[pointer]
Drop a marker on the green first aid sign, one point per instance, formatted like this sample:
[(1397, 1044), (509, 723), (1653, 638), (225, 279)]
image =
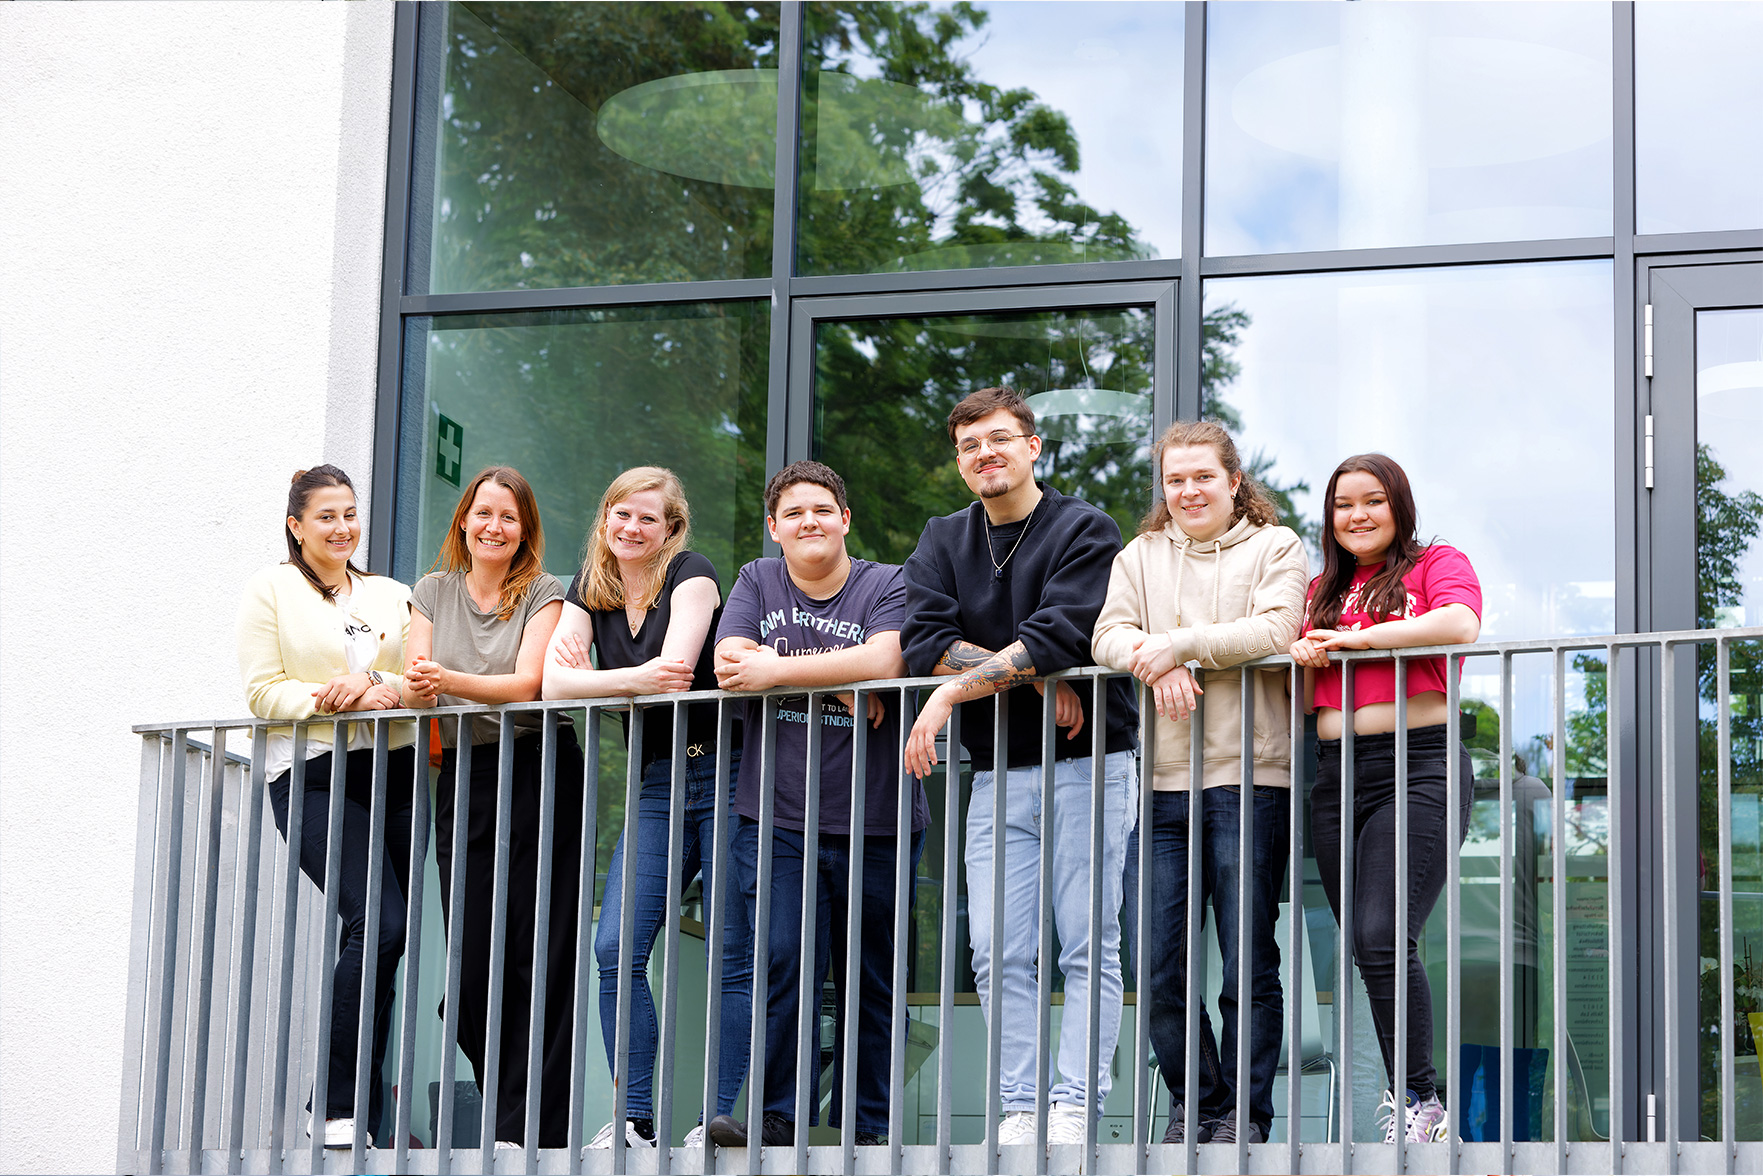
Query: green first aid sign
[(449, 449)]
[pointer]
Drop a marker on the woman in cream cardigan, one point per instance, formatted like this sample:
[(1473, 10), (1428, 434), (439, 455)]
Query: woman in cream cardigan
[(317, 636), (1211, 581)]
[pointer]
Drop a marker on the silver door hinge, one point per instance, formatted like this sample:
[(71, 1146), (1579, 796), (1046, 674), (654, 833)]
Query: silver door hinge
[(1647, 355), (1649, 468)]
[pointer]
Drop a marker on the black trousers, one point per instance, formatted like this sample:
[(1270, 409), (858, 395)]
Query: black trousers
[(394, 866), (517, 957), (1374, 872)]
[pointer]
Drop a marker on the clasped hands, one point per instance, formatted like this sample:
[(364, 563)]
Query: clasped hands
[(1313, 647), (354, 692)]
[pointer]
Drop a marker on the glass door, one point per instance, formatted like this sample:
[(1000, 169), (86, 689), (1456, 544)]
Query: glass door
[(1707, 573)]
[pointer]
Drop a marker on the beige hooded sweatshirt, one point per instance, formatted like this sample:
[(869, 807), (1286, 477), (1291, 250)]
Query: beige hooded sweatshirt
[(1223, 602)]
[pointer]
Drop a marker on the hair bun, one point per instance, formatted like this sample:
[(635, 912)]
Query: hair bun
[(295, 480)]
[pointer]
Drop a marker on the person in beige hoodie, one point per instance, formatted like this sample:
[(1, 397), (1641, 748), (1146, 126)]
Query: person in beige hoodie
[(1210, 582)]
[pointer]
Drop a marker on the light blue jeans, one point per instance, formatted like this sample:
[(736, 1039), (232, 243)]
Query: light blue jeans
[(1069, 828)]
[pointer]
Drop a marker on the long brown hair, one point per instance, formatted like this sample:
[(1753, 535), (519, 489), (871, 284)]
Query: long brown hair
[(1385, 595), (1250, 500), (300, 491), (602, 587), (529, 560)]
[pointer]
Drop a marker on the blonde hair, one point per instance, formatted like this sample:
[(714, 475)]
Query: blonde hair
[(529, 562), (1250, 500), (602, 586)]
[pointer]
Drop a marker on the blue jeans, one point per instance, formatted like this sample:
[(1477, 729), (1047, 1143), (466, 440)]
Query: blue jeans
[(737, 934), (1069, 828), (1166, 918), (875, 1005)]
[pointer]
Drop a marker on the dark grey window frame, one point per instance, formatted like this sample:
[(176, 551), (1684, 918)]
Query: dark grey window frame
[(798, 302)]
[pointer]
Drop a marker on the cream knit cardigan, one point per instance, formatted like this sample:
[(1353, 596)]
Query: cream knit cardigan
[(290, 644)]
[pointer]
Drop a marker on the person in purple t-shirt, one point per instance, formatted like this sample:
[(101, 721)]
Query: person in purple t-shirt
[(817, 618)]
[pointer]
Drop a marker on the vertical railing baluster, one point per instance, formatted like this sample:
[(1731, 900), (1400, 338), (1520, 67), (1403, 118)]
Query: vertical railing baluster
[(761, 934), (413, 896), (1098, 723), (1195, 978), (995, 982), (1245, 899), (1144, 1078), (716, 910), (1044, 938), (898, 1020), (952, 868), (661, 1085), (1558, 866), (1399, 1084), (250, 857), (1668, 1101), (1723, 804), (1508, 830), (535, 1023), (1343, 985), (587, 870), (854, 936), (1295, 926), (201, 1000), (807, 991), (1454, 785), (283, 1011), (364, 1026), (627, 936), (1615, 860), (171, 855), (455, 883), (135, 1019), (327, 933), (492, 1075)]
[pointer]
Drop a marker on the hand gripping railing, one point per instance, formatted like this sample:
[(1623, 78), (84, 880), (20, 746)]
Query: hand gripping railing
[(223, 1084)]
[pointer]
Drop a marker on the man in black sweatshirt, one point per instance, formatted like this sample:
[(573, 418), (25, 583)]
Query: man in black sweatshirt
[(998, 595)]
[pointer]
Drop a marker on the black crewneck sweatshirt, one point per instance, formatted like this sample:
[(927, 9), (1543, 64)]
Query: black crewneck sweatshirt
[(1048, 598)]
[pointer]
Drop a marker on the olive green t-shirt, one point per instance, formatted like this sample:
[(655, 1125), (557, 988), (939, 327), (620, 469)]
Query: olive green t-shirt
[(472, 641)]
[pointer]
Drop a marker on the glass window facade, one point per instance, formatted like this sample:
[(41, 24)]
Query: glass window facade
[(1354, 126), (989, 135), (959, 169), (1698, 116)]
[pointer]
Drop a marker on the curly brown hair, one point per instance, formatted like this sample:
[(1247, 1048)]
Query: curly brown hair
[(1251, 501)]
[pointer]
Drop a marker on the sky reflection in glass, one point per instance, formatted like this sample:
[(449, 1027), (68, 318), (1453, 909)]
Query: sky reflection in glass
[(1345, 126)]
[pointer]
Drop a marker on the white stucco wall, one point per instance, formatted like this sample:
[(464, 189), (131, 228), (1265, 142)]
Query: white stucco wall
[(191, 201)]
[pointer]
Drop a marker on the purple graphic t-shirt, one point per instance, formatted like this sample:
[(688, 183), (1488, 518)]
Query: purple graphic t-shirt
[(766, 607)]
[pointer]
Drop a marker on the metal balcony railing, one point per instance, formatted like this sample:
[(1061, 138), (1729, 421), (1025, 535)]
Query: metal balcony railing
[(229, 1004)]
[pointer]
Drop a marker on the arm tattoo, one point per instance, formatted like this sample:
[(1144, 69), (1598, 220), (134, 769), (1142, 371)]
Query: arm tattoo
[(963, 655), (1008, 667)]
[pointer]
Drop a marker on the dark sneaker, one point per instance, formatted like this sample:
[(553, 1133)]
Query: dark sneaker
[(1225, 1130), (1177, 1131), (871, 1139), (777, 1131), (727, 1131)]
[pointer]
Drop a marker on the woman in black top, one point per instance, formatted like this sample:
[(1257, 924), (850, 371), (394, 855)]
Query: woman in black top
[(648, 606)]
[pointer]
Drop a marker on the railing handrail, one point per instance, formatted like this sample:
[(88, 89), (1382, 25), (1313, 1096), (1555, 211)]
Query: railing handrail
[(1665, 639)]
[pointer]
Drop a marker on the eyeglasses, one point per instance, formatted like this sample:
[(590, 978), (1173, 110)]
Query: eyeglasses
[(996, 441)]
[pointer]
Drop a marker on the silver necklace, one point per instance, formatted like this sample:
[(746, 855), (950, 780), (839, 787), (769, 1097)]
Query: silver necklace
[(997, 567)]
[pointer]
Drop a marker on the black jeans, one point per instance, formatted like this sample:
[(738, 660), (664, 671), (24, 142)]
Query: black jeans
[(352, 878), (1166, 950), (517, 956), (1374, 872)]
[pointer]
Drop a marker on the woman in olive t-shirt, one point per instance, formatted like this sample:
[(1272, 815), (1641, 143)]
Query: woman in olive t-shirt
[(647, 607), (478, 631)]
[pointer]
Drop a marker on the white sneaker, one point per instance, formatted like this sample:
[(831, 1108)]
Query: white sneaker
[(603, 1137), (340, 1133), (1066, 1123), (1017, 1127), (695, 1137), (1428, 1122)]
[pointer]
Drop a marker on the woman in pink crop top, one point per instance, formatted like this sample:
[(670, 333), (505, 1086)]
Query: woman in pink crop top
[(1380, 589)]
